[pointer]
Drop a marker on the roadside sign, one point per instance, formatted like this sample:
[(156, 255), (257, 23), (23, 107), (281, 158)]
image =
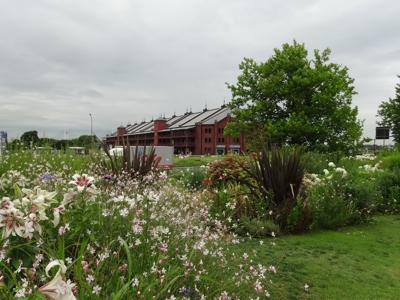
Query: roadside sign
[(382, 133)]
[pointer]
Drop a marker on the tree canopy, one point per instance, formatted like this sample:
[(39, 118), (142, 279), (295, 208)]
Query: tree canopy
[(389, 112), (30, 138), (291, 99)]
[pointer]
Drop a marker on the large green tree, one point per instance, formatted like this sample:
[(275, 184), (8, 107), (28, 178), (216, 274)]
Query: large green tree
[(294, 99), (389, 112)]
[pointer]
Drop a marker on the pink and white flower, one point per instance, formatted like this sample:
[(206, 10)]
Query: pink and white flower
[(82, 182), (57, 288)]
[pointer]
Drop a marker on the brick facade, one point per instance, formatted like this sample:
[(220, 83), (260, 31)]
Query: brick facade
[(197, 133)]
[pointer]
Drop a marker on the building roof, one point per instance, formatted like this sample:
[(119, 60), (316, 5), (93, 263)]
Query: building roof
[(186, 121)]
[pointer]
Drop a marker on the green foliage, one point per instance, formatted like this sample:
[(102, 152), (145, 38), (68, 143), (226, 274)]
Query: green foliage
[(389, 111), (391, 161), (228, 170), (30, 138), (388, 183), (315, 162), (258, 228), (191, 178), (28, 162), (293, 99), (343, 199), (234, 201)]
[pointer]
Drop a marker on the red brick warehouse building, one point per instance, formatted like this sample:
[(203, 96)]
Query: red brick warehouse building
[(193, 132)]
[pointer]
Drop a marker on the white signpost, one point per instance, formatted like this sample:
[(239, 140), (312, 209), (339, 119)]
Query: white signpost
[(3, 141)]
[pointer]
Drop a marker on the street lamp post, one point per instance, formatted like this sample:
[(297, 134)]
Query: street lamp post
[(91, 128), (91, 124)]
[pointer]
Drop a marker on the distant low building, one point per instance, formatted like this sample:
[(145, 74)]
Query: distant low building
[(3, 141), (193, 132)]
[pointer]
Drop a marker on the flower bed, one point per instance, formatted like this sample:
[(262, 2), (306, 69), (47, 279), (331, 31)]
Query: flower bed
[(75, 236)]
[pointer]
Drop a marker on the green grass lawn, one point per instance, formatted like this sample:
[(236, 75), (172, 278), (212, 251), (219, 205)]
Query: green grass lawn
[(195, 160), (360, 262)]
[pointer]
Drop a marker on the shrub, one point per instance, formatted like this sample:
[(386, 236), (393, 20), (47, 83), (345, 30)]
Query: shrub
[(391, 161), (300, 218), (191, 178), (259, 228), (228, 170), (388, 183), (235, 202), (342, 198), (315, 162)]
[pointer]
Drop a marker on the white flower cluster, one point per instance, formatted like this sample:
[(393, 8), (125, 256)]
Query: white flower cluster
[(313, 179), (370, 168), (12, 177), (334, 169), (365, 156)]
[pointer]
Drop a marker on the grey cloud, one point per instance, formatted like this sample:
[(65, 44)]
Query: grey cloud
[(126, 60)]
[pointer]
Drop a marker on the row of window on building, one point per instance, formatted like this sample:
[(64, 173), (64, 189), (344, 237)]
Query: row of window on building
[(235, 140), (209, 130)]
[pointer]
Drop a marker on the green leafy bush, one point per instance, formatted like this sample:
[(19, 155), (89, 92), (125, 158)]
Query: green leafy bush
[(228, 170), (315, 162), (191, 178), (259, 228), (388, 183), (342, 198), (235, 202)]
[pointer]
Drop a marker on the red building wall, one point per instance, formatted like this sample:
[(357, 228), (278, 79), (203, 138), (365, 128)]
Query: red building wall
[(203, 139)]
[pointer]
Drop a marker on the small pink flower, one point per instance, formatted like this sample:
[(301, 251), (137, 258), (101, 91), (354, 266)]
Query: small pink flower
[(85, 266), (63, 229), (258, 287), (122, 268), (163, 247)]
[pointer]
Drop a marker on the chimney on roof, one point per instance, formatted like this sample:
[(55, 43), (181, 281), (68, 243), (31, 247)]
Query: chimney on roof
[(121, 131), (205, 107), (159, 124)]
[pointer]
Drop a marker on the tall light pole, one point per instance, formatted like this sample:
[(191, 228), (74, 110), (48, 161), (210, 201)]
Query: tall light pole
[(91, 127), (91, 124)]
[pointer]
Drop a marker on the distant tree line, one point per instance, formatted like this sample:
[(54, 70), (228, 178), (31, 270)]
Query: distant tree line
[(31, 139)]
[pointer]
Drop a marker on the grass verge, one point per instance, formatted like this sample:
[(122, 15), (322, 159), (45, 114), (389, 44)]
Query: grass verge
[(359, 262)]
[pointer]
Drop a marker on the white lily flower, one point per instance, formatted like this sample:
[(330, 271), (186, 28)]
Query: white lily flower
[(56, 213), (57, 288), (12, 221)]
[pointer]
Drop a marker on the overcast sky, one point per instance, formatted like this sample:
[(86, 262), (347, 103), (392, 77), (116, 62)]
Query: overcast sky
[(125, 60)]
